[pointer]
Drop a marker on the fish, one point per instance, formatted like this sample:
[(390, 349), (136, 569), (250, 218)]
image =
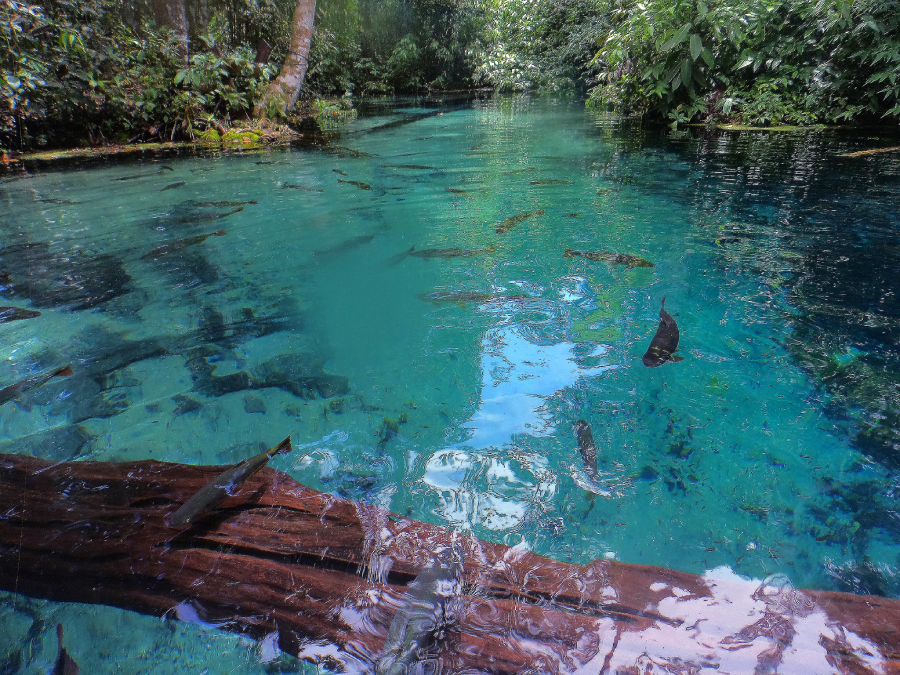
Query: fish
[(165, 249), (346, 245), (512, 221), (610, 257), (664, 344), (144, 175), (462, 297), (301, 187), (221, 205), (263, 163), (407, 166), (451, 252), (586, 447), (57, 201), (863, 153), (208, 217), (608, 190), (424, 613), (552, 181), (457, 191), (225, 485), (13, 391), (8, 314), (339, 172), (173, 186), (65, 664), (359, 184)]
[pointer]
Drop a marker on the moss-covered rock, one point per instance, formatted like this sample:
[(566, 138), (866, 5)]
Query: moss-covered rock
[(209, 136)]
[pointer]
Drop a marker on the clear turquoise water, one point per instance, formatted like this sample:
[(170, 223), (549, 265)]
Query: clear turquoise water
[(746, 454)]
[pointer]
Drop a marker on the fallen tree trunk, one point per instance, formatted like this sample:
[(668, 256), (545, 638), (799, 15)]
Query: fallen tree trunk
[(329, 575)]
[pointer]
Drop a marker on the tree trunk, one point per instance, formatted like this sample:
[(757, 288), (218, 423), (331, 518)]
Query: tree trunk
[(172, 15), (281, 95), (329, 576)]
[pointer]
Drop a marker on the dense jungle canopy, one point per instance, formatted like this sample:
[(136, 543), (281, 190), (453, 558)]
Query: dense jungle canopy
[(79, 72)]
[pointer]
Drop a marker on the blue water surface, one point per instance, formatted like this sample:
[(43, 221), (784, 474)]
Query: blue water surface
[(447, 388)]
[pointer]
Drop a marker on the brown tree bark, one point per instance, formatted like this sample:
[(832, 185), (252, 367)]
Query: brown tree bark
[(172, 15), (328, 575), (281, 95)]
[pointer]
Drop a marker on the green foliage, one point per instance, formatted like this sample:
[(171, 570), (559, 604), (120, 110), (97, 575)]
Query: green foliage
[(74, 73), (539, 44), (752, 61)]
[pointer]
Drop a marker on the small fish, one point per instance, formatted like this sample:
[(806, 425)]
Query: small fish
[(462, 297), (301, 187), (144, 175), (552, 181), (225, 485), (8, 314), (572, 215), (451, 252), (221, 205), (173, 186), (346, 245), (425, 612), (664, 344), (359, 184), (512, 221), (629, 261), (208, 217), (57, 201), (341, 150), (13, 391), (608, 190), (340, 173), (586, 447), (165, 249), (263, 163), (862, 153), (65, 664), (457, 191), (407, 166)]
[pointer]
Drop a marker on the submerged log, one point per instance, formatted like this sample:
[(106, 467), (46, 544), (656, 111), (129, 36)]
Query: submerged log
[(328, 575)]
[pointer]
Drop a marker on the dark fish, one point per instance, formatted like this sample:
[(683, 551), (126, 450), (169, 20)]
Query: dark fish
[(57, 201), (462, 297), (301, 187), (512, 221), (457, 191), (339, 172), (8, 314), (13, 391), (410, 154), (552, 181), (346, 245), (342, 150), (425, 612), (261, 163), (208, 217), (572, 215), (665, 342), (165, 249), (65, 664), (173, 186), (451, 252), (221, 205), (144, 175), (407, 166), (359, 184), (400, 257), (608, 190), (609, 257), (586, 447), (225, 485)]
